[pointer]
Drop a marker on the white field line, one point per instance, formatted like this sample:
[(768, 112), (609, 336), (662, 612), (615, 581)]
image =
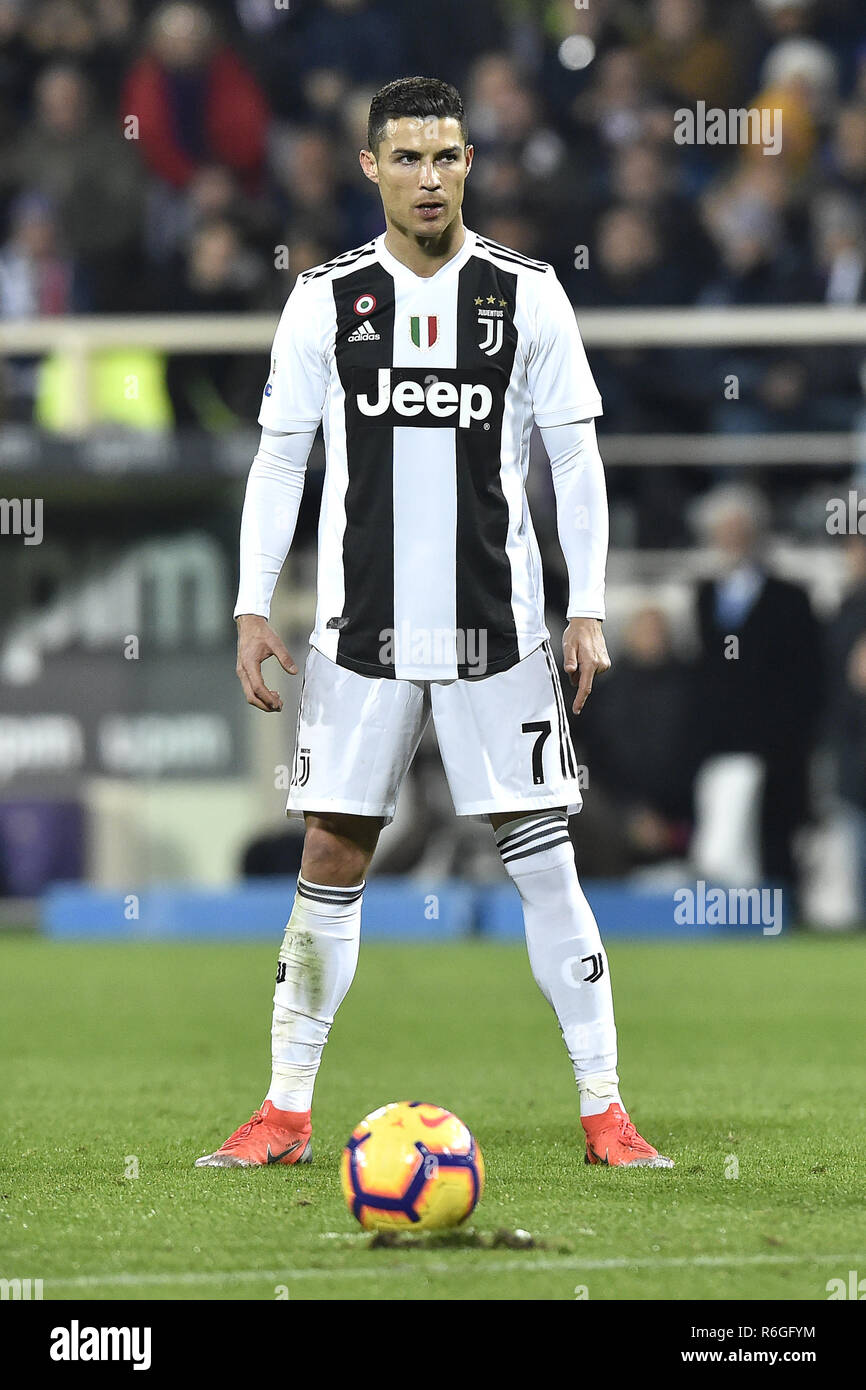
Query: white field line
[(519, 1259)]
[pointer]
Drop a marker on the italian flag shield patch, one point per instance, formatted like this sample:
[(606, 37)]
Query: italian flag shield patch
[(424, 329)]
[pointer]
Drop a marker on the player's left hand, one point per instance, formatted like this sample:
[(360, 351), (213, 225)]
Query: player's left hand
[(586, 656)]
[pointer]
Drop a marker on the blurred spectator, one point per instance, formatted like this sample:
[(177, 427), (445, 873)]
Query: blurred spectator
[(639, 732), (746, 218), (68, 154), (36, 278), (847, 151), (311, 66), (859, 87), (629, 266), (761, 668), (197, 103), (215, 390), (799, 79), (640, 388), (505, 116), (849, 623), (644, 175), (319, 202), (574, 40), (213, 192), (849, 728), (360, 40), (17, 68), (834, 370), (840, 253), (785, 18), (493, 84), (621, 105), (846, 715), (684, 58), (527, 169), (758, 389), (482, 26), (92, 34)]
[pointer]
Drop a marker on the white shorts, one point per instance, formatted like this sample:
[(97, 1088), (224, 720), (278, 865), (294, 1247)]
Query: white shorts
[(504, 739)]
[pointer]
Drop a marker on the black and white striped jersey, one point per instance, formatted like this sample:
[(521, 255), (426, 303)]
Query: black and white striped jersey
[(427, 390)]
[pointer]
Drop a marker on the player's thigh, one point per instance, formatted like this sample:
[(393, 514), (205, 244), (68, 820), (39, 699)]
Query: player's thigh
[(356, 736), (505, 741)]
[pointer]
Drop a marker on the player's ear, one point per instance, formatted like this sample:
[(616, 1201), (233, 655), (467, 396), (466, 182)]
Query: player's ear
[(369, 165), (470, 155)]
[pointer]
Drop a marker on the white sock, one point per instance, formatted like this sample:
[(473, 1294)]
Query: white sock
[(315, 968), (565, 950)]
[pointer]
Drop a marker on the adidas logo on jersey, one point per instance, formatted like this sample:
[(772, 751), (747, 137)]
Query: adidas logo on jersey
[(447, 398), (364, 333)]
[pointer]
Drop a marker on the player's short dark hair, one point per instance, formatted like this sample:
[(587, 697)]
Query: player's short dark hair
[(414, 96)]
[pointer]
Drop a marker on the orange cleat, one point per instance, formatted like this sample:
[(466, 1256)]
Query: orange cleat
[(269, 1136), (611, 1139)]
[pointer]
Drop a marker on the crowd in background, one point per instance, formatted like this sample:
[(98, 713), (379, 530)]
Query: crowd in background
[(248, 116), (197, 157), (676, 743)]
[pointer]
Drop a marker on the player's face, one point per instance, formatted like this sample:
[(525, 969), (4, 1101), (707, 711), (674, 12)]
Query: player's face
[(420, 166)]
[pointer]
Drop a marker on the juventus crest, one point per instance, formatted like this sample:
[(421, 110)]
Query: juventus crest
[(491, 321), (302, 768), (491, 343)]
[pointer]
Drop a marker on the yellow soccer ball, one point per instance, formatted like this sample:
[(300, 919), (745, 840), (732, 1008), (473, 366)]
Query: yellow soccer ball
[(411, 1166)]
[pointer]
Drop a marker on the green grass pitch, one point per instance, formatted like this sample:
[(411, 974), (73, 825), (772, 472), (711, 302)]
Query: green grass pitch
[(735, 1058)]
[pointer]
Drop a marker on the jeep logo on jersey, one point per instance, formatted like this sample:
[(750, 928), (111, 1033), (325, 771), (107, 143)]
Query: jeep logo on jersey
[(447, 398)]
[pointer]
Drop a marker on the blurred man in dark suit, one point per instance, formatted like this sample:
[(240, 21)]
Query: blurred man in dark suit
[(846, 714), (760, 687), (639, 745)]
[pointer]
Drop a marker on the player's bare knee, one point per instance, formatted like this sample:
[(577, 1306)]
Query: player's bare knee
[(338, 848)]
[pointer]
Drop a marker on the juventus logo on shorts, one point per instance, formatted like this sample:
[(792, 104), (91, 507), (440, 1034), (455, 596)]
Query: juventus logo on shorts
[(596, 968), (281, 972), (302, 768)]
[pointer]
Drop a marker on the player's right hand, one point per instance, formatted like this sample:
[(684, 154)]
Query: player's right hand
[(256, 642)]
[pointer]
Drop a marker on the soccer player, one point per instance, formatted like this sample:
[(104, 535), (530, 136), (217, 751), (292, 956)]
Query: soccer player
[(427, 354)]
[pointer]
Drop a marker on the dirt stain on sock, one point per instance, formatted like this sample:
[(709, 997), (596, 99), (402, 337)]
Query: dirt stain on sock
[(304, 966)]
